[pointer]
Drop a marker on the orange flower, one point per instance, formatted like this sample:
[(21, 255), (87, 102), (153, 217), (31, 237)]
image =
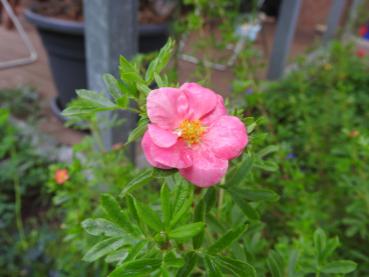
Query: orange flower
[(354, 134), (61, 176)]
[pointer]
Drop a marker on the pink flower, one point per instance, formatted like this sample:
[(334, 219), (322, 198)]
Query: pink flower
[(191, 131)]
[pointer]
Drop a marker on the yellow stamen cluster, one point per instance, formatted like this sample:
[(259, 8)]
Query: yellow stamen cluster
[(191, 131)]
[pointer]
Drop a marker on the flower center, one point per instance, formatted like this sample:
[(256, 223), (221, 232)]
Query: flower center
[(191, 131)]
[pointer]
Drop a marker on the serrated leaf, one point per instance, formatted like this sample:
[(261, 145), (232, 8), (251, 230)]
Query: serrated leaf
[(186, 231), (339, 267), (143, 178), (103, 248), (101, 226), (227, 239), (137, 268)]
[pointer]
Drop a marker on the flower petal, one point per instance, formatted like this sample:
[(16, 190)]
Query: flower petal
[(201, 100), (176, 156), (162, 137), (146, 145), (166, 107), (227, 137), (215, 114), (206, 169)]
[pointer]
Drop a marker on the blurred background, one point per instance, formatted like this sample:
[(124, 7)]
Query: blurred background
[(297, 69)]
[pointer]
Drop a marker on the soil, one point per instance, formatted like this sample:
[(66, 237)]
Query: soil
[(150, 12)]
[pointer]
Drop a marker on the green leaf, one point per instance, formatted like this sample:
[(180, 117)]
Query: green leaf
[(159, 81), (97, 98), (186, 231), (137, 268), (210, 198), (320, 242), (143, 88), (199, 216), (160, 62), (339, 267), (103, 248), (256, 194), (275, 264), (143, 178), (128, 72), (227, 239), (81, 107), (171, 260), (246, 208), (267, 150), (115, 213), (135, 250), (137, 132), (269, 166), (182, 202), (148, 216), (117, 256), (112, 85), (212, 267), (191, 261), (237, 267), (292, 263), (165, 204), (242, 171), (101, 226)]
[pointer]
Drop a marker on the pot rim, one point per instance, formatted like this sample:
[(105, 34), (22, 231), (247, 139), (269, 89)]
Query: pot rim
[(75, 27)]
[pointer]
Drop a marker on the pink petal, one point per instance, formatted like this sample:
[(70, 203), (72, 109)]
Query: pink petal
[(214, 115), (161, 137), (201, 100), (176, 156), (206, 170), (227, 137), (146, 144), (166, 107)]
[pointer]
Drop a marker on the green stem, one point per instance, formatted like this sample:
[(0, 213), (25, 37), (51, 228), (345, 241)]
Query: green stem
[(18, 206)]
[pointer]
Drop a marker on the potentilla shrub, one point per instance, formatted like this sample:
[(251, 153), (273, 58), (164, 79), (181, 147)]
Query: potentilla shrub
[(318, 114), (204, 217)]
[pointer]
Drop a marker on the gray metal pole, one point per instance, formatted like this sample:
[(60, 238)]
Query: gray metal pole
[(334, 17), (111, 30), (352, 16), (286, 27)]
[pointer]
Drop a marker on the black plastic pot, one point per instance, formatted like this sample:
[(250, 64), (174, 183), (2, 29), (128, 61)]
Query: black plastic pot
[(65, 46)]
